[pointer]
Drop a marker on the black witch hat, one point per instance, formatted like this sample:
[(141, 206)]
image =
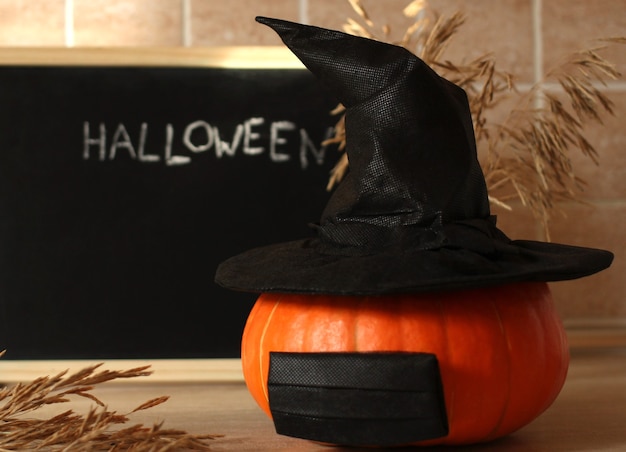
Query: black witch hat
[(412, 214)]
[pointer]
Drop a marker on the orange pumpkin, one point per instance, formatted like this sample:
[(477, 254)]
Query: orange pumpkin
[(502, 350)]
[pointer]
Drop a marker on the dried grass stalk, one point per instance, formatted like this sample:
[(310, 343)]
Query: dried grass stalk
[(526, 157), (97, 430)]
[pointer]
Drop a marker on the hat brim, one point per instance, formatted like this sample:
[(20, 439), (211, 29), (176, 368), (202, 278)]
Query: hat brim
[(299, 267)]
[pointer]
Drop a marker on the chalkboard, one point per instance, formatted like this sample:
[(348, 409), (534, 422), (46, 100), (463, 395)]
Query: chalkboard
[(122, 188)]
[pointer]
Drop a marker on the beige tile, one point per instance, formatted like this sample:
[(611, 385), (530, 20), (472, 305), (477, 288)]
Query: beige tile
[(218, 23), (32, 23), (496, 153), (501, 114), (572, 25), (499, 27), (333, 14), (127, 22), (607, 180), (518, 223), (602, 295), (499, 154), (503, 28)]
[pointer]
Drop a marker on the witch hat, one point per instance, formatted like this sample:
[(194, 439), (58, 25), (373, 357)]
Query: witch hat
[(412, 214)]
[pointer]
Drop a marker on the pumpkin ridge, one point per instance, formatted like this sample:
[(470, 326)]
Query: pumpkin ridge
[(493, 434), (558, 339), (448, 392), (268, 320), (355, 323), (309, 310)]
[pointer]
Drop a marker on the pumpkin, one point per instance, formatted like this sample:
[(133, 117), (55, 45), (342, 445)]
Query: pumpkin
[(502, 350)]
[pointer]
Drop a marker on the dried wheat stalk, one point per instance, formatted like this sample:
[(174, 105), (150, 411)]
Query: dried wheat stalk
[(97, 430), (540, 139), (527, 156)]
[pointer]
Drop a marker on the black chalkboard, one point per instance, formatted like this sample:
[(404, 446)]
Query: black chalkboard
[(122, 188)]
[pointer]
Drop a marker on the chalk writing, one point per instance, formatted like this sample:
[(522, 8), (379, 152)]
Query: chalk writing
[(253, 137)]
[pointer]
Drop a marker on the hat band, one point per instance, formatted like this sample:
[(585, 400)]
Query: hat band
[(350, 238)]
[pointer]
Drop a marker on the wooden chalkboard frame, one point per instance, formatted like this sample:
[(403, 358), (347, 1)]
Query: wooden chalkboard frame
[(240, 57), (236, 57)]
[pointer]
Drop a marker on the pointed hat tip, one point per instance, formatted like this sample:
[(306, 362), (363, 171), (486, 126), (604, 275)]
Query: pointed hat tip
[(275, 23), (285, 29)]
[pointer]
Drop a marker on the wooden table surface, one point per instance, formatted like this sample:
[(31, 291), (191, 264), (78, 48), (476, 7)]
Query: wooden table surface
[(589, 414)]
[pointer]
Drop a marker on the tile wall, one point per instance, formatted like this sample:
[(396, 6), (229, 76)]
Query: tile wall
[(527, 37)]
